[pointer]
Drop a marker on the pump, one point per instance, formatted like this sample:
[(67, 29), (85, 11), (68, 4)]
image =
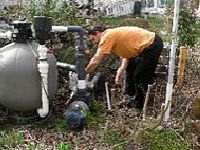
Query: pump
[(28, 74), (75, 117)]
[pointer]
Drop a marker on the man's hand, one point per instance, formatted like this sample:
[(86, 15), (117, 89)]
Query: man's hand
[(94, 62), (120, 76), (121, 71)]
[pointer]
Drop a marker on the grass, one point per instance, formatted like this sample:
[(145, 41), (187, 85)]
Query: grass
[(60, 125), (11, 138), (97, 116), (60, 146), (114, 137), (165, 139), (157, 24), (154, 22), (63, 146), (115, 21), (94, 118)]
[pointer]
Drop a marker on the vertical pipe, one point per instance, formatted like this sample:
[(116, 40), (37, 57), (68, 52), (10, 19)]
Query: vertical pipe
[(146, 9), (43, 67), (107, 96), (169, 89), (80, 46), (80, 62), (156, 4), (147, 6)]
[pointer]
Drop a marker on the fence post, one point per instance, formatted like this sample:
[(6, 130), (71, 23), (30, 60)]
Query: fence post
[(181, 66)]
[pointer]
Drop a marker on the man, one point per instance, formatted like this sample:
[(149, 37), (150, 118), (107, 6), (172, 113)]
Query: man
[(139, 49)]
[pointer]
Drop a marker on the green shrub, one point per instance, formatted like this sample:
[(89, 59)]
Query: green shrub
[(189, 28)]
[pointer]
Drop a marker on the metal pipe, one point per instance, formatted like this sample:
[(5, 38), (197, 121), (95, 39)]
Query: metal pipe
[(94, 82), (66, 66), (80, 61), (96, 78), (79, 45), (59, 28)]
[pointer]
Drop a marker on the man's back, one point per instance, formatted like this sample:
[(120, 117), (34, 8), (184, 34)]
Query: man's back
[(125, 41)]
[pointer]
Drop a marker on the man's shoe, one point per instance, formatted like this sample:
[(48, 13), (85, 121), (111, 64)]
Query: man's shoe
[(133, 103), (140, 105)]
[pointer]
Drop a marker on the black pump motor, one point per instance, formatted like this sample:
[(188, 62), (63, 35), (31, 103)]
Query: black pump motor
[(75, 116), (43, 27)]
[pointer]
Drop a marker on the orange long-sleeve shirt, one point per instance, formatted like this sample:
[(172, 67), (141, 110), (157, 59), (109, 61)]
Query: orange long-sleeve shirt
[(125, 42)]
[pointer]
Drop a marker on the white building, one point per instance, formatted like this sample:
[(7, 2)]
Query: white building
[(6, 3), (125, 7), (120, 7)]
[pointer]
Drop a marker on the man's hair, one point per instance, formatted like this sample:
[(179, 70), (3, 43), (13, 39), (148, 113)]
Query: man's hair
[(94, 29)]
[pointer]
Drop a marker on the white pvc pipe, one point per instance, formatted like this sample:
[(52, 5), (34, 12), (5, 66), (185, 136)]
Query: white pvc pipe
[(6, 35), (67, 66), (81, 84), (43, 68), (147, 6), (169, 89), (107, 96), (59, 28)]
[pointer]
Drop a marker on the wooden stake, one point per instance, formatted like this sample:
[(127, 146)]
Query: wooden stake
[(146, 102), (113, 92), (181, 66), (113, 98)]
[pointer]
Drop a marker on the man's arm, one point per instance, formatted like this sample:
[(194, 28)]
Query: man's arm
[(94, 62), (121, 71), (124, 64)]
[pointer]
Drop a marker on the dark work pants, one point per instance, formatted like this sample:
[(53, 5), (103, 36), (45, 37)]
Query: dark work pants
[(141, 69)]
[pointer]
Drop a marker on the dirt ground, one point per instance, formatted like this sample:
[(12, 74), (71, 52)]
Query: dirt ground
[(47, 134), (128, 118)]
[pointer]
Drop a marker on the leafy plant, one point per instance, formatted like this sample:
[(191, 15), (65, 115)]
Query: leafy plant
[(30, 147), (61, 11), (188, 28), (170, 3), (64, 146), (67, 55)]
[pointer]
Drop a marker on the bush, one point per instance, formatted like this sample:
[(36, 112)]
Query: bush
[(189, 28)]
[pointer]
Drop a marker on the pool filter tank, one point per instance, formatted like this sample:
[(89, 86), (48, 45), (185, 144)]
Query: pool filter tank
[(21, 81)]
